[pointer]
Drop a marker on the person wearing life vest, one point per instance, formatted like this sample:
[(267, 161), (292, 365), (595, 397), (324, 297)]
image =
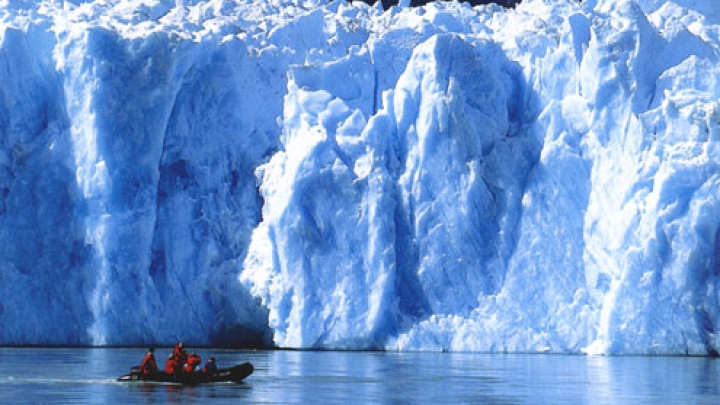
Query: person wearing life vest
[(210, 368), (193, 363), (174, 363), (179, 353), (149, 365)]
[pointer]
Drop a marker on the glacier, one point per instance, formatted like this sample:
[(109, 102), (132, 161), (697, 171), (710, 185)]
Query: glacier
[(325, 174)]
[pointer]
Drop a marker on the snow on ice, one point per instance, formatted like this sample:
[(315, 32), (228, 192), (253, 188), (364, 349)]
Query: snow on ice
[(328, 174)]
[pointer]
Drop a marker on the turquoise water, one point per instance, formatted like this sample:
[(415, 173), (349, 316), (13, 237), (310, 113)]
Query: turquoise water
[(87, 376)]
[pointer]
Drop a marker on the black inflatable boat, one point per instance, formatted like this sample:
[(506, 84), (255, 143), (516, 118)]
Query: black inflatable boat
[(234, 374)]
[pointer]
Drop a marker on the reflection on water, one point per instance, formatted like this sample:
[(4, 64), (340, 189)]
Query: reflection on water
[(653, 380), (382, 378), (283, 377)]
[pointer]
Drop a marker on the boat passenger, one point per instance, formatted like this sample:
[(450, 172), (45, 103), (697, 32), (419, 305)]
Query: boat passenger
[(149, 365), (210, 367), (172, 365), (177, 359), (180, 353), (193, 363)]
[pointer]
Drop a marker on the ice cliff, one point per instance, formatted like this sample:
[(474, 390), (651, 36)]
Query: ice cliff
[(326, 174)]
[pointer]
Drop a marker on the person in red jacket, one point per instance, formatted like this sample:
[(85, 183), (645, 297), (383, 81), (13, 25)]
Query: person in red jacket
[(180, 353), (149, 365), (193, 363), (174, 363)]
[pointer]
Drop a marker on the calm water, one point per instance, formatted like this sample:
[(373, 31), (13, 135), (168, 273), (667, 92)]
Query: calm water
[(87, 376)]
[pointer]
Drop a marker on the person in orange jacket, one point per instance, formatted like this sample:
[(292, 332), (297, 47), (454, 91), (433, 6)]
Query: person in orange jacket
[(193, 363), (149, 365)]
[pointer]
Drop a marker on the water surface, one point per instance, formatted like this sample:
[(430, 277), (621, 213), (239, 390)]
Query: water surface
[(87, 376)]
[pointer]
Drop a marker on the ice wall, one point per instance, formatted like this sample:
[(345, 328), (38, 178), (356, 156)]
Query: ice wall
[(333, 175), (129, 186), (552, 178)]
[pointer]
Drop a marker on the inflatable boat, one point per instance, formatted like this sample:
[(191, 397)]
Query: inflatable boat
[(234, 374)]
